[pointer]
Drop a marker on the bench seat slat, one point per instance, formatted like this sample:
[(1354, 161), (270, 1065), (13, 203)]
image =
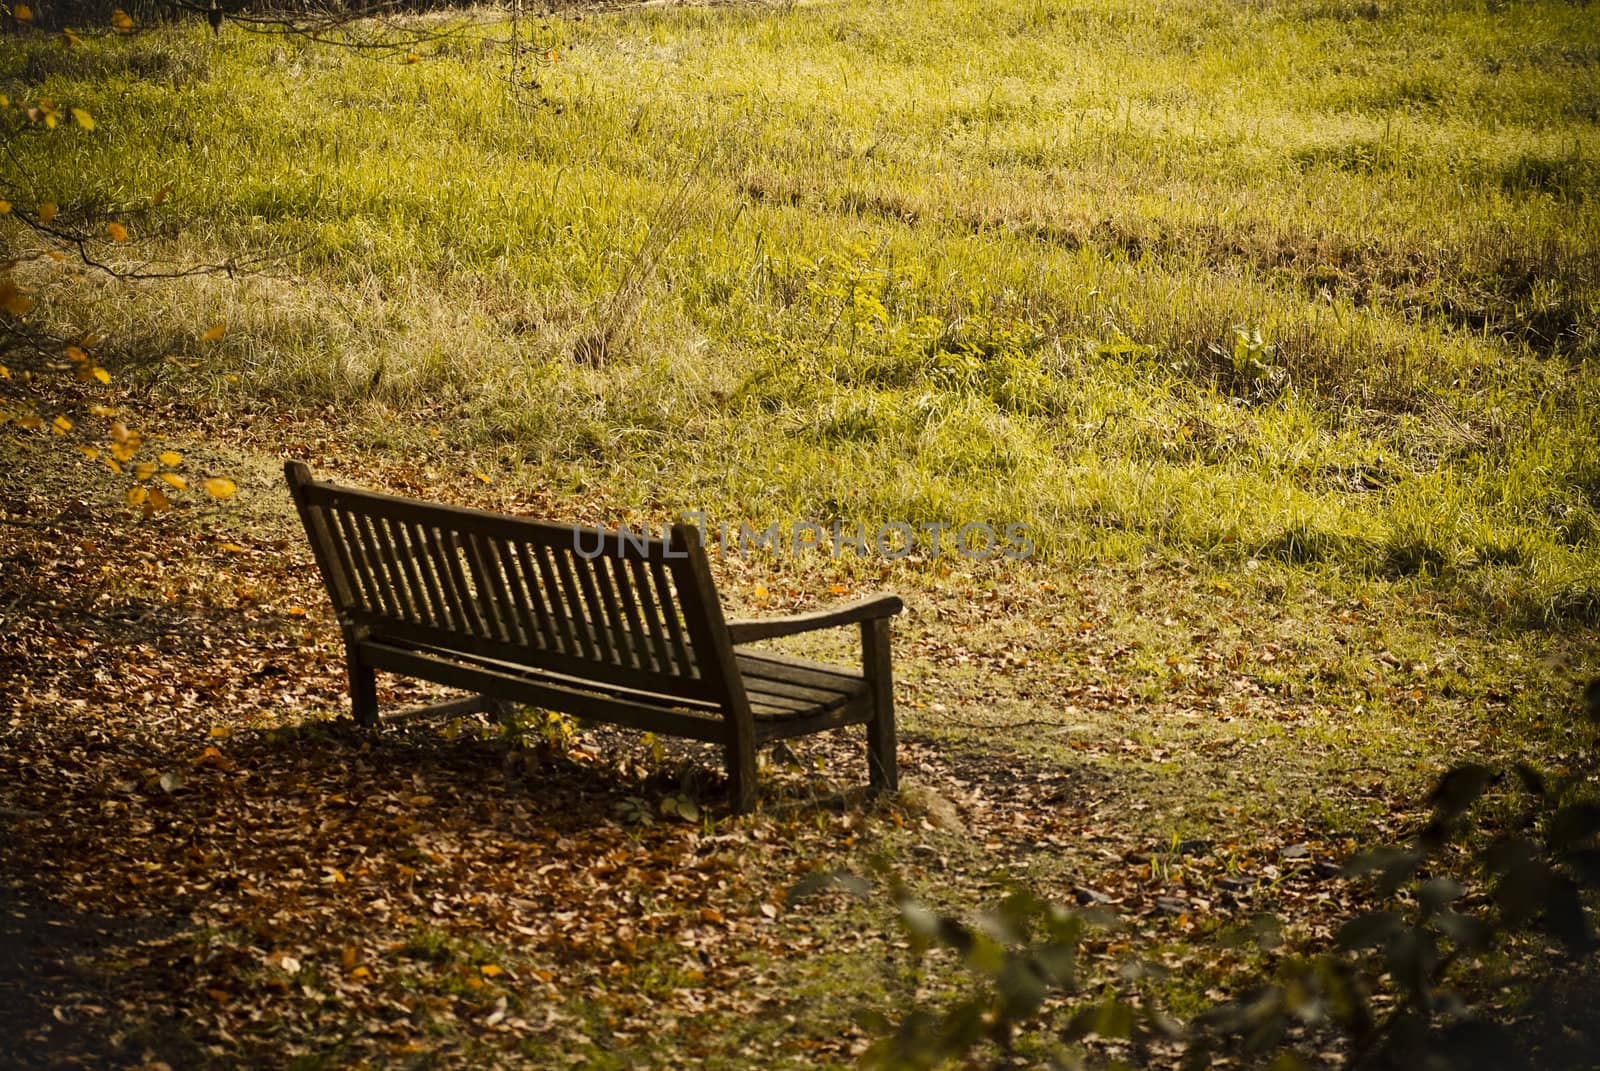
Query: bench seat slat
[(380, 627), (549, 691)]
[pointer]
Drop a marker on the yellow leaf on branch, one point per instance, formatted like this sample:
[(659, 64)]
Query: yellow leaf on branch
[(5, 206), (214, 334), (171, 457), (61, 425), (22, 13), (13, 301), (76, 356), (83, 118), (158, 501), (137, 495), (102, 410), (48, 210), (176, 481), (100, 373), (144, 470), (220, 488), (121, 21)]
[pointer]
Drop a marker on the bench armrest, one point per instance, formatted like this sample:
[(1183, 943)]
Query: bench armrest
[(868, 609)]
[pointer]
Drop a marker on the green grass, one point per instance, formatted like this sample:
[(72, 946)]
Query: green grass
[(1314, 284)]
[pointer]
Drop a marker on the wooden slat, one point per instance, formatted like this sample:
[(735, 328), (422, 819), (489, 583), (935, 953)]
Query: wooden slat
[(449, 557), (494, 601), (594, 611), (653, 627), (557, 603), (365, 547), (608, 605), (536, 597), (351, 545), (444, 583), (401, 542), (443, 613), (773, 666), (769, 729), (620, 710), (389, 564), (577, 613), (408, 634), (665, 598), (643, 654), (517, 592)]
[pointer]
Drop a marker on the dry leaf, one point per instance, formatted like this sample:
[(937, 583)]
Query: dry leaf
[(221, 488)]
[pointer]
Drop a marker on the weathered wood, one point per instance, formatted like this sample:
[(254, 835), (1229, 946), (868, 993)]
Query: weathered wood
[(882, 770), (624, 629)]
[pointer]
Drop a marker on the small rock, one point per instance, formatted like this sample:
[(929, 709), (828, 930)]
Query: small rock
[(1295, 851)]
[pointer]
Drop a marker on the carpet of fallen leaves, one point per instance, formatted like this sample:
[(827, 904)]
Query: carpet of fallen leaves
[(205, 864), (201, 868)]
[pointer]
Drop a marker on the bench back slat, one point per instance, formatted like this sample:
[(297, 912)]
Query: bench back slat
[(596, 606), (678, 643)]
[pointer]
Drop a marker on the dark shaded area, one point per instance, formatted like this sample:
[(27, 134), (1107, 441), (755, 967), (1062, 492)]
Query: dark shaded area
[(58, 1002)]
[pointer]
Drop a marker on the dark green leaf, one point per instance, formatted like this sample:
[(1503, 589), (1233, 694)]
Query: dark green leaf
[(1460, 788), (1372, 928), (1521, 892), (1586, 864), (1507, 854), (1531, 779), (1466, 931), (1564, 916), (1392, 865), (1575, 825), (1411, 956), (1436, 892), (1476, 1043)]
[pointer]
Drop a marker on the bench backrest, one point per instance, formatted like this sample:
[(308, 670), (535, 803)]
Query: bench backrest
[(629, 610)]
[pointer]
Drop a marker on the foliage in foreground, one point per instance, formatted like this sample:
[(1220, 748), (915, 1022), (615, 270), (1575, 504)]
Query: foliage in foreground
[(1401, 988)]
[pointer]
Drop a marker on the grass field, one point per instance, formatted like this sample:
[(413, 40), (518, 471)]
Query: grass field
[(1275, 325)]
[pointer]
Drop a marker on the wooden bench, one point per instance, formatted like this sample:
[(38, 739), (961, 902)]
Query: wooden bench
[(614, 627)]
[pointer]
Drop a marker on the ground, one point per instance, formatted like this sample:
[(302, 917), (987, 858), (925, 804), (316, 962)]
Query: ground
[(1274, 323)]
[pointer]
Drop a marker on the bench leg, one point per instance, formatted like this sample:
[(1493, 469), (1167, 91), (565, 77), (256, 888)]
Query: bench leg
[(742, 773), (363, 688), (883, 772)]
